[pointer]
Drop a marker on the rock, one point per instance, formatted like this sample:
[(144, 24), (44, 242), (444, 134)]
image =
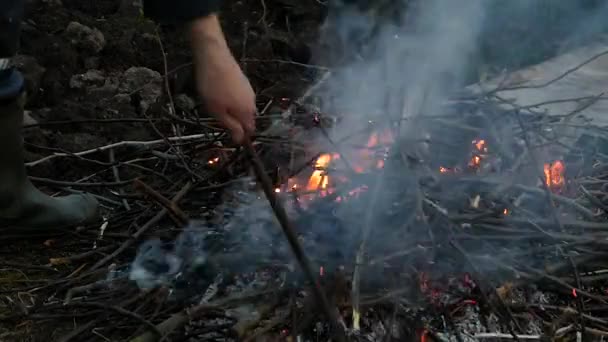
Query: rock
[(107, 90), (143, 82), (88, 79), (32, 72), (28, 120), (130, 7), (184, 102), (91, 63), (86, 38)]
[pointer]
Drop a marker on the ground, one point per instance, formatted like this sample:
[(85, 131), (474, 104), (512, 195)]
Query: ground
[(96, 74)]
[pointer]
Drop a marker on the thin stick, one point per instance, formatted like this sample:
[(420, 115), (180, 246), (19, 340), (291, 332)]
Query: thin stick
[(167, 204), (138, 234), (116, 174), (291, 235), (121, 144)]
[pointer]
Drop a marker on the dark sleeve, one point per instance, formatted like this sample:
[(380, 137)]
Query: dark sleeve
[(11, 14), (178, 11)]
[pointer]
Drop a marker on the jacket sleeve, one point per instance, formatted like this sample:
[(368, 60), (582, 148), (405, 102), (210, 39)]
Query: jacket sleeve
[(11, 14), (178, 11)]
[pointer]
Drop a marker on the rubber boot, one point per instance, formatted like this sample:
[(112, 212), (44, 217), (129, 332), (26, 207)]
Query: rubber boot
[(22, 206)]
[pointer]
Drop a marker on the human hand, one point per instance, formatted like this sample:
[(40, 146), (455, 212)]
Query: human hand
[(227, 93)]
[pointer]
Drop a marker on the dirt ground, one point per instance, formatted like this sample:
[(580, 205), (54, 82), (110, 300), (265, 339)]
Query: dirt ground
[(95, 72)]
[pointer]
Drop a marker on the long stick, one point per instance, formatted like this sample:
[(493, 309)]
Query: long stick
[(290, 233)]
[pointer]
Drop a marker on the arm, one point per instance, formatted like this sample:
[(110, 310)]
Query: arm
[(225, 90), (179, 11)]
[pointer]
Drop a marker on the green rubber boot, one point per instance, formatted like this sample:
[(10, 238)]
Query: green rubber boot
[(22, 206)]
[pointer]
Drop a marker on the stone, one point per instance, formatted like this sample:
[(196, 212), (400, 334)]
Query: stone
[(184, 102), (88, 79), (144, 82), (85, 38)]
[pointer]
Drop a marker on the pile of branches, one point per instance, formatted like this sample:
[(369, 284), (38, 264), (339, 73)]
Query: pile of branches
[(401, 251)]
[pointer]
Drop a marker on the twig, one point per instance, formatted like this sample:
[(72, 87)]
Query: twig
[(282, 61), (366, 231), (171, 206), (291, 236), (77, 184), (566, 73), (141, 231), (131, 143), (79, 330), (179, 319), (120, 311), (288, 112), (125, 203), (506, 310), (484, 336)]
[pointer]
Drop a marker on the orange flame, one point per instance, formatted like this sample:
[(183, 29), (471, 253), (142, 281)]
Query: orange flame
[(554, 174), (480, 145), (319, 178), (213, 161), (475, 161)]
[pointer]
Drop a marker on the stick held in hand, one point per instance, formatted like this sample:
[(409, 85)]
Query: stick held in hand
[(292, 237)]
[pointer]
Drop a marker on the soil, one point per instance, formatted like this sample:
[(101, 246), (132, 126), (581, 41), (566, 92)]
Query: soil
[(72, 117)]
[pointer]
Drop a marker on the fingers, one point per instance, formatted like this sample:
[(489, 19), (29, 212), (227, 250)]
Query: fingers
[(247, 120), (234, 126)]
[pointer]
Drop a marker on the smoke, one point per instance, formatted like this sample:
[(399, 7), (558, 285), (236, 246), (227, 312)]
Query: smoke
[(158, 264), (398, 61)]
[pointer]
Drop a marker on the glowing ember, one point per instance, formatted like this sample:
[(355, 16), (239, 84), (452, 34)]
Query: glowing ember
[(213, 161), (475, 162), (424, 335), (480, 145), (554, 174), (319, 179)]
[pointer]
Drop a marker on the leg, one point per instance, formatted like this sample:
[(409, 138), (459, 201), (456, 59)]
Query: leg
[(22, 206)]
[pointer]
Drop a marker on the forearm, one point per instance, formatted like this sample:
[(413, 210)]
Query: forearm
[(206, 37), (179, 11)]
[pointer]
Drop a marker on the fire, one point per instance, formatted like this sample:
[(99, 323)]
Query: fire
[(475, 161), (480, 145), (319, 178), (554, 174), (213, 161), (505, 212)]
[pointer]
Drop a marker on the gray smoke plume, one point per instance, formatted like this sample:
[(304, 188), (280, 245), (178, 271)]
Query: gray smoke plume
[(397, 62)]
